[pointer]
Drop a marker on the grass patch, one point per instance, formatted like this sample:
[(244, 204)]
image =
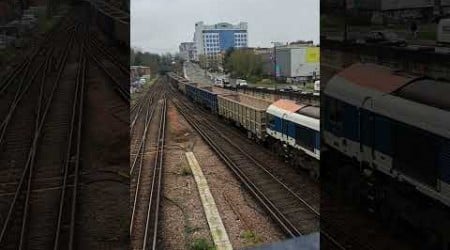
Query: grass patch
[(6, 55), (124, 223), (427, 35), (201, 244), (250, 238), (191, 230), (185, 169), (141, 91)]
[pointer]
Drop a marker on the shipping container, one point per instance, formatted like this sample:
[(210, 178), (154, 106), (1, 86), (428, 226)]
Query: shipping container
[(246, 111)]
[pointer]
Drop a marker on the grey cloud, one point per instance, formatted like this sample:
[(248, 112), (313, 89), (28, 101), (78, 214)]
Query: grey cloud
[(160, 25)]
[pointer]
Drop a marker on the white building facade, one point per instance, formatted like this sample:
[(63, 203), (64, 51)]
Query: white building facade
[(212, 40), (187, 51), (298, 62)]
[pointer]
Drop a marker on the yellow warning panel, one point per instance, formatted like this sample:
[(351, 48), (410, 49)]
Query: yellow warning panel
[(312, 55)]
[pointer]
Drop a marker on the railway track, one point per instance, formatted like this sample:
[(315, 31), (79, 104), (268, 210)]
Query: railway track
[(112, 68), (41, 138), (18, 224), (295, 216), (146, 170), (136, 110), (334, 234), (291, 212)]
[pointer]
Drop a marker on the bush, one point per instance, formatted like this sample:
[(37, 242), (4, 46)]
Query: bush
[(201, 244)]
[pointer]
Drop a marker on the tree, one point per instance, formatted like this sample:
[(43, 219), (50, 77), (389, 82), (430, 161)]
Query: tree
[(244, 64), (226, 59), (203, 61)]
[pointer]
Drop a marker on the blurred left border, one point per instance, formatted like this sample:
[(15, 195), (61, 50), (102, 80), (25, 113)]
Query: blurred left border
[(64, 124)]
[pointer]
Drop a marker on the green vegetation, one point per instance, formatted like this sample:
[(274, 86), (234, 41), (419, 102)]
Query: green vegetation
[(135, 96), (427, 35), (212, 63), (201, 244), (191, 230), (185, 170), (157, 63), (250, 238), (7, 54), (243, 64)]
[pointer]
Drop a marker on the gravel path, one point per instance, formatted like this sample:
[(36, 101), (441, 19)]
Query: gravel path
[(184, 222)]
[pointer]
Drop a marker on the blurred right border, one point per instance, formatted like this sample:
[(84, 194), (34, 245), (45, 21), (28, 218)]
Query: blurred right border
[(385, 129)]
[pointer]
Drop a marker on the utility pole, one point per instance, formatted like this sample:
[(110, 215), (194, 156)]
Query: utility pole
[(49, 8), (437, 8), (344, 4), (274, 64)]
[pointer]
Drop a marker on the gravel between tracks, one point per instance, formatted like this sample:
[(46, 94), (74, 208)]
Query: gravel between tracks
[(183, 218), (104, 207)]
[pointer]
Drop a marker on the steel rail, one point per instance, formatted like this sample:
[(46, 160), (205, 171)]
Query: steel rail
[(139, 156), (98, 45), (31, 155), (150, 95), (76, 115), (125, 94), (21, 91), (30, 57), (156, 185), (77, 159), (276, 214)]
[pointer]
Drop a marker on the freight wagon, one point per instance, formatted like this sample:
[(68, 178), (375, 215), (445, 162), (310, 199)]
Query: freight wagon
[(207, 96), (246, 111), (299, 144), (114, 22), (178, 82), (182, 85)]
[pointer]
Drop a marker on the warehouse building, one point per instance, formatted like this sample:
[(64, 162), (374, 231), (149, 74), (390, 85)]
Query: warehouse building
[(297, 62)]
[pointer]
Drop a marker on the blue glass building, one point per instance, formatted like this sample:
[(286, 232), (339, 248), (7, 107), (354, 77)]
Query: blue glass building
[(212, 40)]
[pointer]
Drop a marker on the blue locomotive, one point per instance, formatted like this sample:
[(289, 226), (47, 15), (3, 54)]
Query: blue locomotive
[(386, 137)]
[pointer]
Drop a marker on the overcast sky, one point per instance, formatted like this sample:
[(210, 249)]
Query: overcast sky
[(159, 26)]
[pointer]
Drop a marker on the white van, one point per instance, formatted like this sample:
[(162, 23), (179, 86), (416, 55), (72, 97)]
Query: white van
[(317, 86), (218, 82), (443, 32), (240, 82)]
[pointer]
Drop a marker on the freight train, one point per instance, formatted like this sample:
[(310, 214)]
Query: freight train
[(289, 128), (386, 146), (114, 20)]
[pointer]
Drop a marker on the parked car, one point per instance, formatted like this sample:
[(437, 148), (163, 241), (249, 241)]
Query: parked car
[(443, 31), (383, 37), (241, 82), (218, 82), (30, 18)]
